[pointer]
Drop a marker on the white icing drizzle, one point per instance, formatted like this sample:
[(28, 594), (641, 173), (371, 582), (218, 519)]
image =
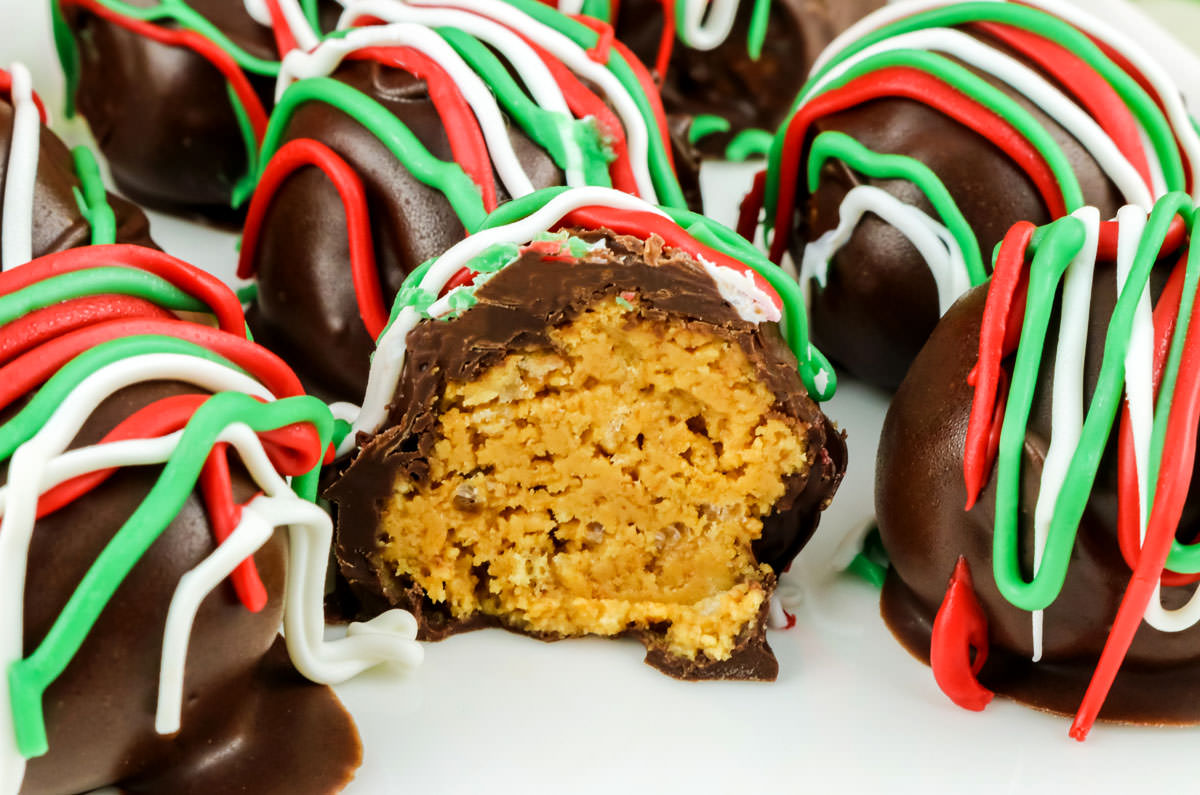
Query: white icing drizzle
[(1026, 83), (570, 7), (739, 291), (306, 38), (1067, 402), (43, 462), (1176, 115), (387, 363), (557, 44), (325, 58), (936, 245), (21, 175), (706, 23), (1139, 397)]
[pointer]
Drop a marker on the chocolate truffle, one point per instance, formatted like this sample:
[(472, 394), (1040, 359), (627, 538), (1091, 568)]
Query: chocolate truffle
[(922, 137), (739, 77), (53, 197), (176, 96), (143, 578), (1025, 431), (598, 430), (393, 142)]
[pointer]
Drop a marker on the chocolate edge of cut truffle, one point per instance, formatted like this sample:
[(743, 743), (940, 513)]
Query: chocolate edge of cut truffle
[(509, 318)]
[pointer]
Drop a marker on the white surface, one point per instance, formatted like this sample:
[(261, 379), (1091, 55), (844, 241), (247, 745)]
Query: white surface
[(851, 712)]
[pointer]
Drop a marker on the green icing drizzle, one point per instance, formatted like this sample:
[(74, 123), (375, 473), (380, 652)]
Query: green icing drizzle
[(967, 82), (68, 56), (449, 178), (1053, 248), (247, 294), (93, 198), (757, 34), (598, 9), (565, 138), (96, 281), (312, 14), (748, 144), (706, 124), (1025, 18), (838, 145), (871, 563)]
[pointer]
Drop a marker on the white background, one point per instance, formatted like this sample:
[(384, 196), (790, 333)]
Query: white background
[(851, 711)]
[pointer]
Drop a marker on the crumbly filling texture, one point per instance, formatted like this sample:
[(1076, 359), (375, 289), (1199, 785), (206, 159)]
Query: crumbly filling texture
[(613, 483)]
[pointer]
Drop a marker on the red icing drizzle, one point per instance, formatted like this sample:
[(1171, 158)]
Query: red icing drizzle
[(922, 87), (999, 333), (193, 281), (306, 152), (1166, 312), (1095, 94), (1174, 481), (466, 138), (959, 628)]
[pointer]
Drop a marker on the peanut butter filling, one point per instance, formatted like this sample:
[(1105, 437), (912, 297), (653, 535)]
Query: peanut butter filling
[(613, 483)]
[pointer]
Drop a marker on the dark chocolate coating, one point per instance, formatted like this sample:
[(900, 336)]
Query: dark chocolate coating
[(919, 499), (725, 81), (162, 115), (880, 303), (57, 223), (250, 722), (515, 311), (306, 309)]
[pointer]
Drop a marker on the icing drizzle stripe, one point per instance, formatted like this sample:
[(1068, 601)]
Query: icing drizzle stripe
[(21, 174)]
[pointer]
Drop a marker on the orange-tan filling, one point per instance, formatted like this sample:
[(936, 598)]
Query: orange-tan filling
[(615, 482)]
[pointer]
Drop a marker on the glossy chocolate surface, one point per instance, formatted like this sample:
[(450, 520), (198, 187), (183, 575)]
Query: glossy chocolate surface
[(919, 498), (250, 722), (515, 310), (880, 303), (162, 115), (57, 222)]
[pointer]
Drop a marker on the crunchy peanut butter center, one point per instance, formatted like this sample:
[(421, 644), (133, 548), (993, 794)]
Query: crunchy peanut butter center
[(616, 482)]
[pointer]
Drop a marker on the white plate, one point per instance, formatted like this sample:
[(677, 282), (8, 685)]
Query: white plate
[(851, 712)]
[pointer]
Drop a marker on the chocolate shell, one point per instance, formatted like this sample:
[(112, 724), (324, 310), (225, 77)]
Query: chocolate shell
[(57, 221)]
